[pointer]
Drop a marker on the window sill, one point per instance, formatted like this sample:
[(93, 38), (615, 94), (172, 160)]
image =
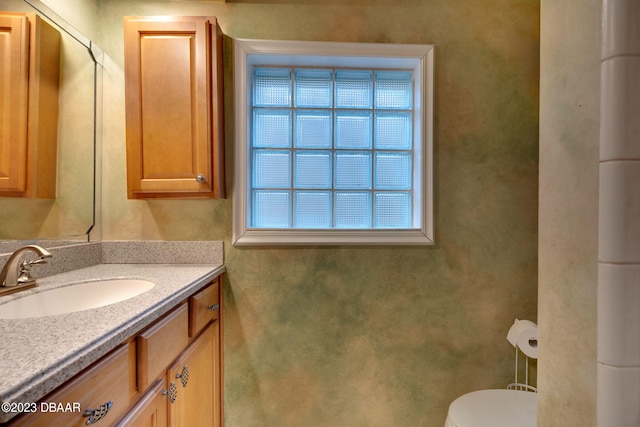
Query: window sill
[(285, 237)]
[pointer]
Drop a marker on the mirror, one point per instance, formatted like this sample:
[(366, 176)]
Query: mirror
[(71, 216)]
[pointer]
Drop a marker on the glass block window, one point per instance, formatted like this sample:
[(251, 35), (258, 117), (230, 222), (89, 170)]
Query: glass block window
[(337, 149), (339, 156)]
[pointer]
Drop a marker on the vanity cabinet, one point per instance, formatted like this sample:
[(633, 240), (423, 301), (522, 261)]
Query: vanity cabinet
[(192, 386), (174, 107), (195, 397), (189, 394), (29, 83), (150, 411), (93, 393), (168, 375)]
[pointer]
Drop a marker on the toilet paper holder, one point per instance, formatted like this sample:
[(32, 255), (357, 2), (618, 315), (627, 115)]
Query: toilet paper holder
[(523, 333), (516, 384)]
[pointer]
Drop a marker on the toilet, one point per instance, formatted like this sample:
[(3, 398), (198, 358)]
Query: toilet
[(493, 408)]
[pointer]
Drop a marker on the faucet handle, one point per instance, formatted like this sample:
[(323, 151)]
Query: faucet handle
[(24, 275), (41, 260)]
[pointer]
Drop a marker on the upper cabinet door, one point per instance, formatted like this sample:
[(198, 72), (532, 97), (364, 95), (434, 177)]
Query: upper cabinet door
[(174, 107), (14, 81), (29, 84)]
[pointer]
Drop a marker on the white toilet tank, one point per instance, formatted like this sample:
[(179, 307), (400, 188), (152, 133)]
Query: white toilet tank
[(493, 408)]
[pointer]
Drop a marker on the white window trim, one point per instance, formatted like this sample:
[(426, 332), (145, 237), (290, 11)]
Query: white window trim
[(417, 57)]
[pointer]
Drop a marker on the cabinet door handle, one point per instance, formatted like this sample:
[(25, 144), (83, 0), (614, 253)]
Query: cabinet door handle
[(213, 307), (201, 178), (184, 376), (95, 415), (171, 392)]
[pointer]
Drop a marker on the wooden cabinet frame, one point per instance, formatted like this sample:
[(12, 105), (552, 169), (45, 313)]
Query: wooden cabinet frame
[(29, 118), (174, 107)]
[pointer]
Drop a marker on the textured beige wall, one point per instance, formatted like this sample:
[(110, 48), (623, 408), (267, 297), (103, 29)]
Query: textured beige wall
[(568, 226), (371, 336)]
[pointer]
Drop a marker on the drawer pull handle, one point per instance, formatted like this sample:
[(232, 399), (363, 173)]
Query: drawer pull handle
[(184, 376), (213, 307), (95, 415), (172, 392)]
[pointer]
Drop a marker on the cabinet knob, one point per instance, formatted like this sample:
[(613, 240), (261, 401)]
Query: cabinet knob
[(172, 392), (213, 307), (95, 415), (201, 178), (184, 376)]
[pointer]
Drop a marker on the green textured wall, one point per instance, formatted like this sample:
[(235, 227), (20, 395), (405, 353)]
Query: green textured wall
[(371, 336)]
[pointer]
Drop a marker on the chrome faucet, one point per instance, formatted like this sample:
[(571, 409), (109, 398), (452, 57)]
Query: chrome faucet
[(15, 275)]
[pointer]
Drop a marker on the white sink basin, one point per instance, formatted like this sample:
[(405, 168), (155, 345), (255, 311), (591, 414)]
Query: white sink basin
[(76, 297)]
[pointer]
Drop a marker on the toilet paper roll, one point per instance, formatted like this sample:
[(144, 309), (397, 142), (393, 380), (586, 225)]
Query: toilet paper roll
[(524, 335)]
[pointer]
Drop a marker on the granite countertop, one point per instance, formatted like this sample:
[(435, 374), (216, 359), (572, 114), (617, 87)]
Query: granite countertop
[(39, 354)]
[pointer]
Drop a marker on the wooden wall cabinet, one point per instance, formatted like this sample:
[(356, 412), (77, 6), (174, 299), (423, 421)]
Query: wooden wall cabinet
[(174, 107), (29, 84), (169, 375)]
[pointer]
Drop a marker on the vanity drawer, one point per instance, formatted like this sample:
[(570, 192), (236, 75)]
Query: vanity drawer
[(204, 306), (95, 389), (161, 344)]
